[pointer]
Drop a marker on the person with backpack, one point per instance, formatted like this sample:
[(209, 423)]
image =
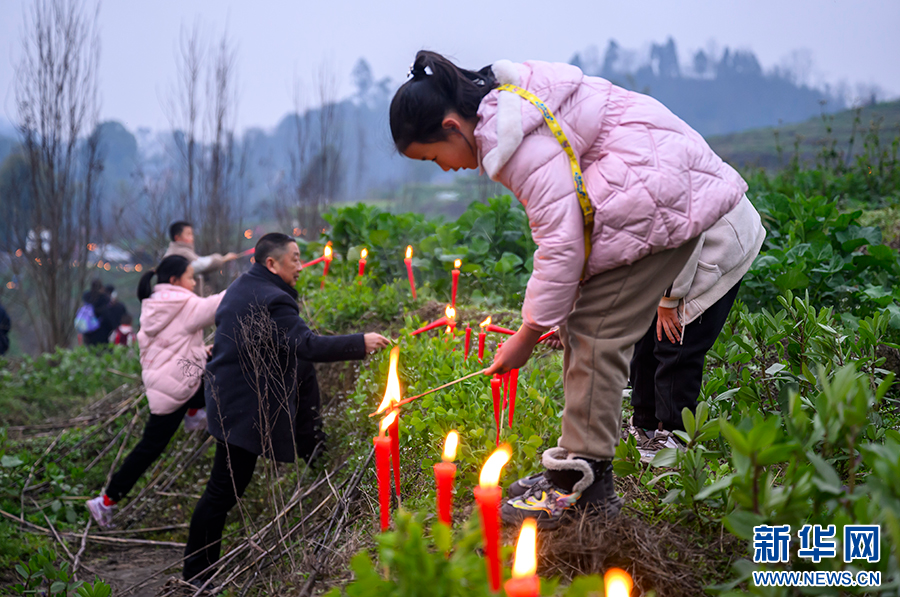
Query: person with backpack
[(124, 334), (89, 318), (173, 358)]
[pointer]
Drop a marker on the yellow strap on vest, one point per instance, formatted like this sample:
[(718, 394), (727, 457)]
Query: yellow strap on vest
[(587, 210)]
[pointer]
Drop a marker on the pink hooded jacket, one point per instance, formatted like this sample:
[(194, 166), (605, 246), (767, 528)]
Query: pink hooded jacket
[(173, 356), (653, 181)]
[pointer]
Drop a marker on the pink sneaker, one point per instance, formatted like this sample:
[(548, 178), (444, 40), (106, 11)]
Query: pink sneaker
[(102, 513), (196, 421)]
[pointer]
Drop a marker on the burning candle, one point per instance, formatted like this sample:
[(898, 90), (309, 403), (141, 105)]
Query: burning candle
[(496, 393), (362, 263), (481, 337), (383, 469), (524, 581), (488, 495), (455, 274), (618, 583), (391, 397), (468, 343), (444, 473), (409, 270), (328, 258), (513, 382)]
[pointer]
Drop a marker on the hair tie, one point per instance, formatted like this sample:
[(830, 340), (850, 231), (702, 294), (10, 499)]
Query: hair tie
[(417, 72)]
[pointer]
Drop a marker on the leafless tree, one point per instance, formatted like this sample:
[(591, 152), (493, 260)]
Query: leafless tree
[(56, 104)]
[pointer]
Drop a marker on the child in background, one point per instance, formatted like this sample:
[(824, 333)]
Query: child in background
[(617, 191), (173, 358), (123, 335), (667, 367)]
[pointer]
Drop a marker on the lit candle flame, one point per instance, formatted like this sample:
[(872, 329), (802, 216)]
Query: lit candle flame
[(363, 254), (450, 312), (526, 550), (457, 263), (618, 583), (392, 393), (409, 251), (485, 322), (388, 421), (327, 251), (490, 472), (450, 445)]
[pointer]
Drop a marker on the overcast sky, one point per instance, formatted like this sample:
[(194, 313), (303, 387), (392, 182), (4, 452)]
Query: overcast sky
[(851, 40)]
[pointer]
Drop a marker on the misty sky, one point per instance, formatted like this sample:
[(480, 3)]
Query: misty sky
[(278, 40)]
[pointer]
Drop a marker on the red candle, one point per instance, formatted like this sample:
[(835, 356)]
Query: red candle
[(455, 275), (444, 473), (488, 495), (313, 262), (468, 343), (394, 430), (434, 324), (505, 378), (391, 397), (362, 263), (513, 382), (495, 392), (481, 338), (500, 330), (409, 270), (524, 581), (327, 264), (383, 470)]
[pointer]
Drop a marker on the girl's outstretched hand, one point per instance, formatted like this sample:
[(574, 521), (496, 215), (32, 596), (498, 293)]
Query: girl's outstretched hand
[(515, 352), (375, 342)]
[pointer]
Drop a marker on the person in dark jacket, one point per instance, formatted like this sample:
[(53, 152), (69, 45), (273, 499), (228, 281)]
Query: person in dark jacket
[(97, 298), (112, 316), (5, 326), (261, 392)]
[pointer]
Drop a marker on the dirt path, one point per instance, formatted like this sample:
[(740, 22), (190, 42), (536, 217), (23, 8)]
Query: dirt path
[(125, 567)]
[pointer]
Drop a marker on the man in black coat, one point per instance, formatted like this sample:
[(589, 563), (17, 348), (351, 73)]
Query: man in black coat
[(262, 396)]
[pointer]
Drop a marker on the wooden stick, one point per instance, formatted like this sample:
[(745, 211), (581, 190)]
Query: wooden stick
[(433, 390), (87, 528), (128, 375)]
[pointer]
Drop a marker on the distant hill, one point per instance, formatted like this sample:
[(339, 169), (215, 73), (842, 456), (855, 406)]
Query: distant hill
[(759, 147)]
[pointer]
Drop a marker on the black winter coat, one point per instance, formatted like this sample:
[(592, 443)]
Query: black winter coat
[(262, 389)]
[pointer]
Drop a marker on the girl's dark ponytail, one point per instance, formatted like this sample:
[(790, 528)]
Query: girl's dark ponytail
[(436, 87), (172, 266)]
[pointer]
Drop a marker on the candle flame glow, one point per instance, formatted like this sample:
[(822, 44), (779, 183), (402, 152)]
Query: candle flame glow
[(450, 312), (490, 472), (485, 322), (392, 393), (457, 263), (618, 583), (526, 550), (327, 251), (409, 251), (450, 445), (388, 420), (363, 254)]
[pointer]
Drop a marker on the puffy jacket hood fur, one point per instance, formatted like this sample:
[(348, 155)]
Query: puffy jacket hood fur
[(653, 181)]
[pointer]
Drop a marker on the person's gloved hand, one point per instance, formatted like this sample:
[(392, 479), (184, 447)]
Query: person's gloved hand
[(667, 322)]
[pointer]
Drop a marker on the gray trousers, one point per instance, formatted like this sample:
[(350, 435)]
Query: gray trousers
[(612, 311)]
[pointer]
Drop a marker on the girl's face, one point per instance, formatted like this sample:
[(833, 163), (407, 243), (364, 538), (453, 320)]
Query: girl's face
[(186, 280), (455, 152)]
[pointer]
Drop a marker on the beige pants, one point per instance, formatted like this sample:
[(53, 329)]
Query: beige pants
[(612, 312)]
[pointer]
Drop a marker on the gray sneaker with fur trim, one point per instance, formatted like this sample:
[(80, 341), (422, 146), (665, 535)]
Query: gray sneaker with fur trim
[(568, 486)]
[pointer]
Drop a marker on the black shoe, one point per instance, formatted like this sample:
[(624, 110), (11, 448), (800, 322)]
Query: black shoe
[(522, 485)]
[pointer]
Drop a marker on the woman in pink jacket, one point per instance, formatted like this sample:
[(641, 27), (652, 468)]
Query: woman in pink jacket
[(173, 359), (617, 190)]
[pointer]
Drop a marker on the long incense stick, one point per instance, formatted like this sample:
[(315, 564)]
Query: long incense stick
[(433, 390)]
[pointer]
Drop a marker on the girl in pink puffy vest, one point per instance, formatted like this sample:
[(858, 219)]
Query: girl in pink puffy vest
[(173, 358), (652, 186)]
